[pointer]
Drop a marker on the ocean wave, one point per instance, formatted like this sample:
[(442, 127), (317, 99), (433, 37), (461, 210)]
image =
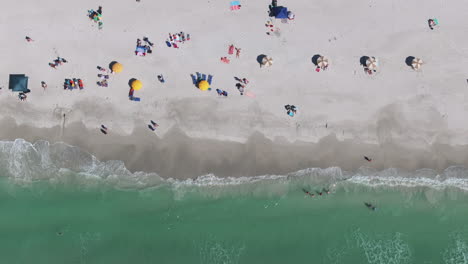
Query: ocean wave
[(25, 162)]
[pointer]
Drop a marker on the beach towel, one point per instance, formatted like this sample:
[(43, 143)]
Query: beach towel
[(235, 8), (235, 3), (194, 79), (231, 50), (250, 94), (210, 78), (168, 44), (136, 99)]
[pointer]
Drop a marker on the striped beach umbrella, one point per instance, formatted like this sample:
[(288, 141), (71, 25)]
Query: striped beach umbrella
[(371, 63), (267, 61), (416, 64), (322, 62)]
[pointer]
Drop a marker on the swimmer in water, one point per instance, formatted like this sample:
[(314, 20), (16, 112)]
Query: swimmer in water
[(370, 206), (326, 191), (308, 193)]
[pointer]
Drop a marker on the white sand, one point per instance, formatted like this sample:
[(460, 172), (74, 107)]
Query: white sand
[(395, 105)]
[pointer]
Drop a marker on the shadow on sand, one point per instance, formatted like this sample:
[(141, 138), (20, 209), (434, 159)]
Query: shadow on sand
[(315, 59), (363, 60), (260, 59), (409, 61), (130, 82), (112, 64)]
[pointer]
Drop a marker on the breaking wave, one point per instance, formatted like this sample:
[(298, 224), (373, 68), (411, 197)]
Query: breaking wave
[(25, 162)]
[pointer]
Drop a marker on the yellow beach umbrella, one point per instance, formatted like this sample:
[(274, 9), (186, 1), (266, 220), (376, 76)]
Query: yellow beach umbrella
[(203, 85), (136, 85), (416, 64), (117, 67), (322, 62)]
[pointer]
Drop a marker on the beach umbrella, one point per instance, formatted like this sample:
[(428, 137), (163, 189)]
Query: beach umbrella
[(371, 63), (117, 67), (322, 62), (136, 85), (267, 61), (203, 85), (416, 64)]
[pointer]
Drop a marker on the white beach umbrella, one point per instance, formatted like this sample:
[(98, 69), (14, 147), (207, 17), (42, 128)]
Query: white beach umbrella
[(416, 64), (371, 63), (267, 61), (322, 62)]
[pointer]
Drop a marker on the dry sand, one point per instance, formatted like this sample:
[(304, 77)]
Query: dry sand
[(400, 117)]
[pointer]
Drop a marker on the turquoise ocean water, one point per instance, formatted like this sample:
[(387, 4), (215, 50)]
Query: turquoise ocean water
[(60, 205)]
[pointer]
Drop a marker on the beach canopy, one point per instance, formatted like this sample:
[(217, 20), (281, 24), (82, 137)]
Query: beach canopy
[(416, 64), (266, 61), (117, 67), (371, 63), (280, 12), (322, 62), (18, 83), (203, 85), (136, 85)]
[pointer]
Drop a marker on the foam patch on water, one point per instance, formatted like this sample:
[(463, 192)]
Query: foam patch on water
[(457, 252), (384, 250)]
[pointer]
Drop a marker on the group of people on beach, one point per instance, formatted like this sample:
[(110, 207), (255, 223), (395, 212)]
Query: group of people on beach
[(290, 110), (96, 16), (103, 77), (143, 49), (177, 38), (57, 62), (73, 83), (241, 84)]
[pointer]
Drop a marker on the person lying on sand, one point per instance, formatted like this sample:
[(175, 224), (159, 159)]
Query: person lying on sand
[(368, 159)]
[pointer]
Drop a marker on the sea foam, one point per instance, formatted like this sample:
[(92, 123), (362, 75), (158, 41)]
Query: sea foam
[(25, 162)]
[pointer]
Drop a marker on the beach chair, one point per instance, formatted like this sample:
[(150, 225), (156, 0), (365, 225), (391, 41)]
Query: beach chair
[(235, 5), (198, 76), (203, 77), (210, 78), (194, 79)]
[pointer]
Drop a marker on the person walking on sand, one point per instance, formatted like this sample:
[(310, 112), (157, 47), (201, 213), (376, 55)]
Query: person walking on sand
[(44, 85), (238, 50), (161, 78)]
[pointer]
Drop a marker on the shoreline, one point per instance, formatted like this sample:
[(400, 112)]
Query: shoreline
[(178, 156)]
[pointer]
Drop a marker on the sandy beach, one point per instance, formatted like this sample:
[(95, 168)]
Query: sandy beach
[(400, 117)]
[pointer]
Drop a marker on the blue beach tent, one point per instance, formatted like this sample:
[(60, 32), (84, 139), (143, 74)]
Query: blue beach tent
[(18, 83), (280, 12)]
